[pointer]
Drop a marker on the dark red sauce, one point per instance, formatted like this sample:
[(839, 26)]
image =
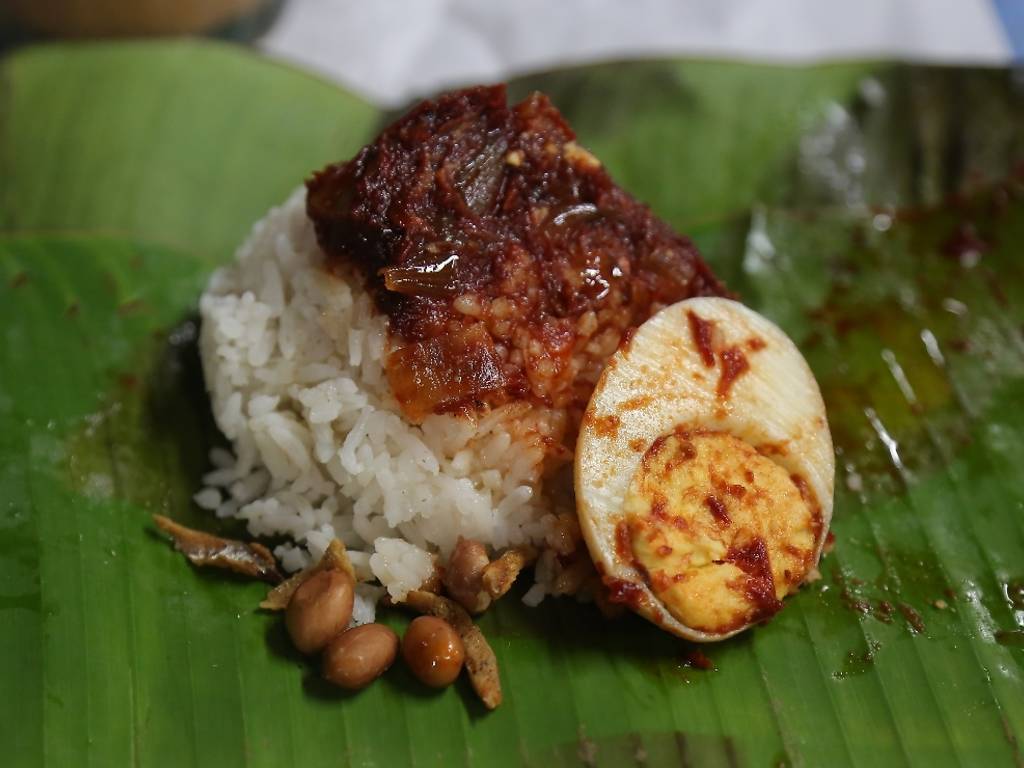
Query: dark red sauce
[(734, 365), (627, 337), (884, 611), (736, 491), (759, 584), (848, 592), (718, 510), (509, 264), (913, 618), (697, 659), (701, 330), (625, 592)]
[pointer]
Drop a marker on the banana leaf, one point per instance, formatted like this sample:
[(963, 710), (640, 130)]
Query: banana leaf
[(875, 211)]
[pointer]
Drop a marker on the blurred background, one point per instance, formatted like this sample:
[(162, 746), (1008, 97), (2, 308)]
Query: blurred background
[(392, 50)]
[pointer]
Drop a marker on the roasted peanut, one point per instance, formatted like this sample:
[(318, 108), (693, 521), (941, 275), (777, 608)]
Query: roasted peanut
[(433, 651), (320, 609), (360, 655), (462, 577)]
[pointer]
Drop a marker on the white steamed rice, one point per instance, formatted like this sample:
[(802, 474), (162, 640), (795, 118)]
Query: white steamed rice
[(292, 357)]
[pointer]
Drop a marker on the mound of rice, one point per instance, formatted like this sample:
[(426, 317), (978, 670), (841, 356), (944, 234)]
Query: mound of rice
[(292, 357)]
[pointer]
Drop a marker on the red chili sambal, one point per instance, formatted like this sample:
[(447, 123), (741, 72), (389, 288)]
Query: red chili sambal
[(507, 261)]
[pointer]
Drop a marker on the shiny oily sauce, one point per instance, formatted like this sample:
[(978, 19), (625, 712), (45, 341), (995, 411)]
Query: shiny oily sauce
[(509, 264)]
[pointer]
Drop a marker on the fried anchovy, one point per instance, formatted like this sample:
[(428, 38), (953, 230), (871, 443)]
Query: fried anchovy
[(204, 549)]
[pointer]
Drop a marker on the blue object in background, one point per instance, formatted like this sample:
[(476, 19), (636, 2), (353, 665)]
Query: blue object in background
[(1011, 13)]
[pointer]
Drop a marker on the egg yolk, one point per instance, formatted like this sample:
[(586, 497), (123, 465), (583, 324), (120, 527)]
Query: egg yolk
[(720, 532)]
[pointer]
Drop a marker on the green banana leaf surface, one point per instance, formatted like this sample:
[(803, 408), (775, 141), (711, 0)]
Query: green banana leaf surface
[(875, 211)]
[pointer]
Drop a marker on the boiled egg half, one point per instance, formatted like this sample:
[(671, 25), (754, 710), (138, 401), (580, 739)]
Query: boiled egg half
[(704, 470)]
